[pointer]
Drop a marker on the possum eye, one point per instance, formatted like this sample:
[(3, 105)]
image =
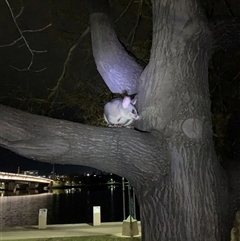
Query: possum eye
[(133, 111)]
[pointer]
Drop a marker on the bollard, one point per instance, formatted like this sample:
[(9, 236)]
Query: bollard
[(130, 227), (42, 218), (96, 215)]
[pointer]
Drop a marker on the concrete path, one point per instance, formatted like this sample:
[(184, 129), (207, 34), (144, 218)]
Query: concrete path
[(68, 230)]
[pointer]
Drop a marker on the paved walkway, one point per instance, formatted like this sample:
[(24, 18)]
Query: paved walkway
[(68, 230)]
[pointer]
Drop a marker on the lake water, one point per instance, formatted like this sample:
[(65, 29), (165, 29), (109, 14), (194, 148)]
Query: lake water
[(64, 206)]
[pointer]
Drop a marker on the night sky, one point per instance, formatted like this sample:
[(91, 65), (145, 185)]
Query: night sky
[(9, 162)]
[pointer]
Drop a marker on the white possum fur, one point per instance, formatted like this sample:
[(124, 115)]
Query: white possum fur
[(120, 112)]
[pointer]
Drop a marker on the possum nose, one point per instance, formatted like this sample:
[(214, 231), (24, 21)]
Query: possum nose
[(136, 117)]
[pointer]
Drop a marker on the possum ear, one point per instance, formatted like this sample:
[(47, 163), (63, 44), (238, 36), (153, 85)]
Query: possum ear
[(134, 101), (126, 102)]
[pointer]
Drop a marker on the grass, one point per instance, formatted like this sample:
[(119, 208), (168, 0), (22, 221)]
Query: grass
[(92, 238)]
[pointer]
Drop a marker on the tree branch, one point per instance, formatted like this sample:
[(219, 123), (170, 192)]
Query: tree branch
[(125, 10), (22, 37), (119, 70), (226, 32), (131, 36), (111, 149), (54, 91)]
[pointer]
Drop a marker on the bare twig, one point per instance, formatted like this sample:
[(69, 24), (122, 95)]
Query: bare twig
[(22, 70), (24, 40), (68, 59), (228, 8), (133, 32), (15, 41), (236, 76), (226, 32), (38, 51), (125, 10), (37, 30), (19, 13)]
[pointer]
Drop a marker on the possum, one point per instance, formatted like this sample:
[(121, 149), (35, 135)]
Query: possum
[(120, 112)]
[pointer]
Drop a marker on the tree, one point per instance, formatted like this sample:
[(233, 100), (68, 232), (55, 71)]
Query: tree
[(169, 158)]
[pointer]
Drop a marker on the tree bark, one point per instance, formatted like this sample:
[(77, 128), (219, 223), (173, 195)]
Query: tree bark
[(120, 71), (115, 150), (176, 101), (183, 205)]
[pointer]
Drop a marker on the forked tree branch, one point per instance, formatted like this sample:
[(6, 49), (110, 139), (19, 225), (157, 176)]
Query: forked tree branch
[(22, 37), (54, 91)]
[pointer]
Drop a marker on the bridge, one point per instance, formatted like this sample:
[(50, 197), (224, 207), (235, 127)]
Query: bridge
[(13, 181)]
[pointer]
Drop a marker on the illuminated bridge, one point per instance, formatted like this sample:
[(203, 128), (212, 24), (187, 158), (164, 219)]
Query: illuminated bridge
[(13, 181)]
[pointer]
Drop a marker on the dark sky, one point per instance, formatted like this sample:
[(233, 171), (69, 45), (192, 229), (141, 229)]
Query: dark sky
[(9, 162)]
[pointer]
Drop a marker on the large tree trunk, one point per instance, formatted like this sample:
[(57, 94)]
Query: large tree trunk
[(188, 204), (183, 205)]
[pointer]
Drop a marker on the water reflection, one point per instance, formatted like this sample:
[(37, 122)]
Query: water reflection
[(66, 191), (21, 210), (32, 192), (18, 192), (112, 213), (73, 205)]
